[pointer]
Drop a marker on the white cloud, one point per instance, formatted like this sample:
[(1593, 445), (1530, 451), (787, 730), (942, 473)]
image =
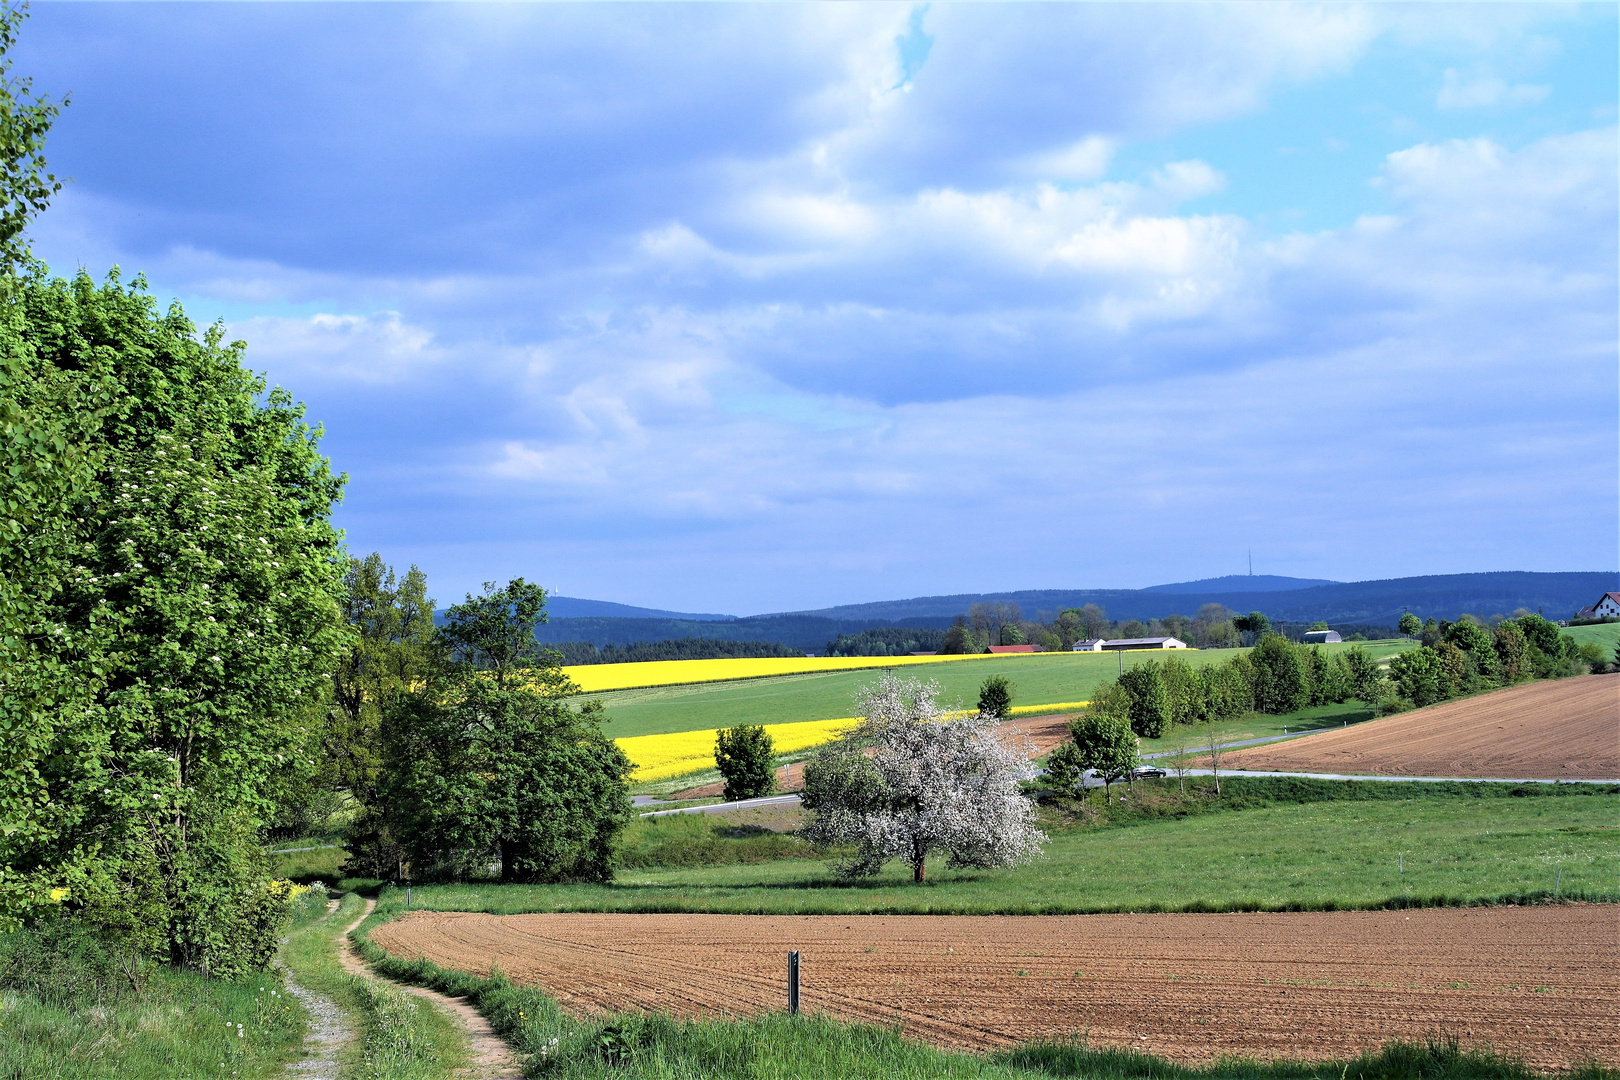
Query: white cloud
[(1484, 91), (381, 347)]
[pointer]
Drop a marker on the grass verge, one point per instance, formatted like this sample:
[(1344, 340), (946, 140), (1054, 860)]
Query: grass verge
[(400, 1037), (1265, 845), (636, 1045), (68, 1012)]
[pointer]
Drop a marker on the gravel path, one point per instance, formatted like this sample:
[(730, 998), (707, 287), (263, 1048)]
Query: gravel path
[(328, 1032)]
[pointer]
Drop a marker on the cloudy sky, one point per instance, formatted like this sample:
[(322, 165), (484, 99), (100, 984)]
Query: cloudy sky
[(753, 308)]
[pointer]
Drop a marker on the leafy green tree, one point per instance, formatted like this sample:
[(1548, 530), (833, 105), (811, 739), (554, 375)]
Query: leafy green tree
[(391, 647), (26, 186), (1012, 634), (1282, 681), (1453, 669), (1064, 770), (743, 755), (1253, 624), (961, 639), (1430, 633), (996, 697), (1479, 646), (1547, 650), (1411, 625), (1418, 676), (495, 630), (1512, 653), (189, 614), (1590, 653), (1105, 743), (479, 770), (1149, 712), (1367, 683)]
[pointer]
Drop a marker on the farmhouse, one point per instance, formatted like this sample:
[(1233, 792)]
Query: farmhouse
[(1089, 645), (1126, 644), (1321, 637), (1608, 607)]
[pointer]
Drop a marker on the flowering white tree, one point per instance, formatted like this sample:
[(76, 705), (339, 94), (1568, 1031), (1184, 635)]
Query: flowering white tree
[(909, 781)]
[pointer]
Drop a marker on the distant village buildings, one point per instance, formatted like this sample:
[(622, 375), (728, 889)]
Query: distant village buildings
[(1606, 608)]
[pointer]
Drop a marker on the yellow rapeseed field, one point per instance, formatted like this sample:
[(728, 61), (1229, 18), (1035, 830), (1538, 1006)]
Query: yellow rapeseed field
[(660, 757), (594, 677)]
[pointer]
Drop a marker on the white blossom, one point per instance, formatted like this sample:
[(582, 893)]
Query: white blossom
[(932, 783)]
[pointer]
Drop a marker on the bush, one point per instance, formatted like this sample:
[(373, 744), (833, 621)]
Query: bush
[(743, 756), (996, 696)]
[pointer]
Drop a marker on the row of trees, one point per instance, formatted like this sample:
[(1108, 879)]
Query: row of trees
[(1466, 656), (987, 624), (1276, 677), (887, 641), (686, 648)]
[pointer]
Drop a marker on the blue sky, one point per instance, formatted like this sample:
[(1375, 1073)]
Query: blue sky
[(751, 308)]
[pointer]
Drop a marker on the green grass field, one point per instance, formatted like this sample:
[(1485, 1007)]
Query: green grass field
[(1604, 635), (786, 699), (70, 1015), (1389, 843)]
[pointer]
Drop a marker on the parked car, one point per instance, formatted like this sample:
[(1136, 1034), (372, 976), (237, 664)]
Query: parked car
[(1149, 772)]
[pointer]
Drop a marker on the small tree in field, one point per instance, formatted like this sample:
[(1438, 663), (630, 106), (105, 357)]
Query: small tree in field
[(743, 756), (1065, 774), (1411, 625), (908, 782), (1106, 743), (996, 697)]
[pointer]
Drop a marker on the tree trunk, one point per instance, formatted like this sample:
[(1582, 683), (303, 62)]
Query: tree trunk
[(919, 862)]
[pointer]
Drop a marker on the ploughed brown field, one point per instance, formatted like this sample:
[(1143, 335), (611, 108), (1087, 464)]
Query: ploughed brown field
[(1563, 729), (1539, 982)]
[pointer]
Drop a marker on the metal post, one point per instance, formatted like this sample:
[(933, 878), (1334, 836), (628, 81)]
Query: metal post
[(793, 983), (1560, 883)]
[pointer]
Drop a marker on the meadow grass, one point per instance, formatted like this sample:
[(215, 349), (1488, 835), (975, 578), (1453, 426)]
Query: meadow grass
[(400, 1037), (1265, 845), (1042, 677), (68, 1013), (1604, 635), (814, 1047), (325, 863)]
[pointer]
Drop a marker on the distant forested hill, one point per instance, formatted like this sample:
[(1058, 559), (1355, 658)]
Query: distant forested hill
[(583, 652), (1446, 596), (1443, 596), (808, 633)]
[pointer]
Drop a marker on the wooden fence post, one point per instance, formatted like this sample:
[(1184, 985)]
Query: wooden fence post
[(793, 983)]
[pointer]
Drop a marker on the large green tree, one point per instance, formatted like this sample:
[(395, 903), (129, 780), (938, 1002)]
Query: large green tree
[(186, 602), (390, 649), (26, 184), (483, 765)]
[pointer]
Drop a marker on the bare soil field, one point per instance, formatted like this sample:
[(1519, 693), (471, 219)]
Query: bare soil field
[(1542, 983), (1564, 729), (1045, 734)]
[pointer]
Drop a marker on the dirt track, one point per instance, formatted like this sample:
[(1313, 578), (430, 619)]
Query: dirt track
[(1565, 729), (1543, 983)]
